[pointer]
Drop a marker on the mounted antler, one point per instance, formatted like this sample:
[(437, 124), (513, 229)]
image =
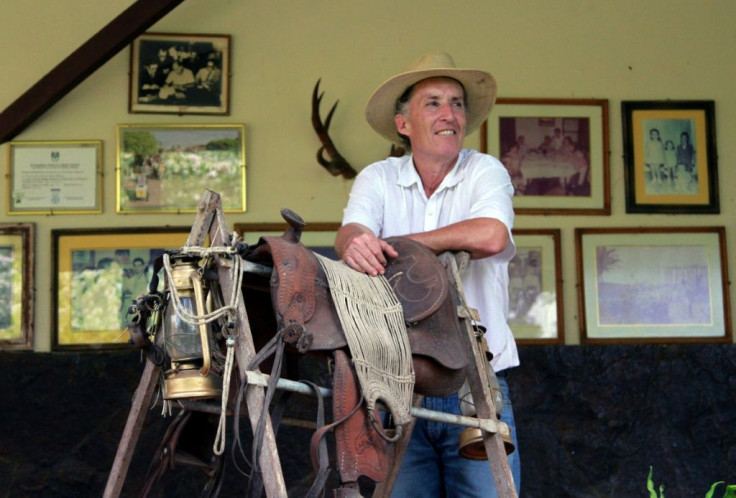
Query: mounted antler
[(337, 165)]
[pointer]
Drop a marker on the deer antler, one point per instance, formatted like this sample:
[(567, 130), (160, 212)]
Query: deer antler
[(337, 165)]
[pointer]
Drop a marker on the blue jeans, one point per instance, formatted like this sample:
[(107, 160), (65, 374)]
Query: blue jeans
[(432, 466)]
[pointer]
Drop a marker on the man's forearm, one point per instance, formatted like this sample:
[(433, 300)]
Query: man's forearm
[(481, 237)]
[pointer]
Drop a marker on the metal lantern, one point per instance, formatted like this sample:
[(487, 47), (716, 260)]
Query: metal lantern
[(188, 339)]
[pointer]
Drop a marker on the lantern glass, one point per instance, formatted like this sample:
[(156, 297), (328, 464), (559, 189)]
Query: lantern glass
[(183, 341)]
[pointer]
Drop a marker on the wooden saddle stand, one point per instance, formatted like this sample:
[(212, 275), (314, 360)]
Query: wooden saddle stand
[(303, 313)]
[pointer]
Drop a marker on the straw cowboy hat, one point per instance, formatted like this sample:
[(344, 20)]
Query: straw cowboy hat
[(480, 90)]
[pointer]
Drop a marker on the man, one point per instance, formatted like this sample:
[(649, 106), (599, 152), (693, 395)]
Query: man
[(177, 82), (448, 199)]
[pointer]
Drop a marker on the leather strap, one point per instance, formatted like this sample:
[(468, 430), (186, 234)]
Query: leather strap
[(360, 449)]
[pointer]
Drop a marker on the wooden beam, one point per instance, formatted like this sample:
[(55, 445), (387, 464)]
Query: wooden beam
[(84, 61)]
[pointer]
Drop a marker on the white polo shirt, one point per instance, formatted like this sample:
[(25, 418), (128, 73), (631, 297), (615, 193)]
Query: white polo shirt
[(388, 198)]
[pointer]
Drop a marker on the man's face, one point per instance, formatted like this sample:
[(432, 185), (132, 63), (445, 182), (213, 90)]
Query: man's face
[(435, 119)]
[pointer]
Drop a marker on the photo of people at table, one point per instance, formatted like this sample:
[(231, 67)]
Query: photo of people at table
[(180, 73), (669, 156), (547, 156)]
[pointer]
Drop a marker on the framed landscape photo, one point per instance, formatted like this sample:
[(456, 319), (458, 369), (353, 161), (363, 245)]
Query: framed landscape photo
[(535, 288), (165, 168), (54, 177), (97, 275), (16, 285), (556, 152), (655, 285), (670, 157), (174, 73)]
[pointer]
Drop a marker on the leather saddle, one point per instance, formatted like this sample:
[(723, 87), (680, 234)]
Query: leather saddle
[(301, 309), (305, 312)]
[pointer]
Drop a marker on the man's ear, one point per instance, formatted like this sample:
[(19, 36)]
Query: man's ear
[(401, 124)]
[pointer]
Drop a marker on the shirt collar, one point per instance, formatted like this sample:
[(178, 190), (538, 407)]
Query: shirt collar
[(408, 175)]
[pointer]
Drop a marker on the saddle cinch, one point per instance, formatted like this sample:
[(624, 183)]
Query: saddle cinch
[(305, 315)]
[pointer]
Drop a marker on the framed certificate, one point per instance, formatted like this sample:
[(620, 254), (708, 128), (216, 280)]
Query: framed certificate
[(55, 177)]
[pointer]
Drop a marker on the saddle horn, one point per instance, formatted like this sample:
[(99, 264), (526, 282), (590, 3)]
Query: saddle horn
[(296, 225)]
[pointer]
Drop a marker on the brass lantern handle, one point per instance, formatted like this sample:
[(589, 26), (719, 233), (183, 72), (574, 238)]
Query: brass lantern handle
[(203, 335)]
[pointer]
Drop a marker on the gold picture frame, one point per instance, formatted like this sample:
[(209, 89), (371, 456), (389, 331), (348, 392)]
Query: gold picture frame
[(165, 168), (97, 275), (54, 177)]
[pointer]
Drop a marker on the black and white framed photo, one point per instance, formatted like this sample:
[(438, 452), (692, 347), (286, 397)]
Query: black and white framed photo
[(180, 74), (653, 285), (670, 157)]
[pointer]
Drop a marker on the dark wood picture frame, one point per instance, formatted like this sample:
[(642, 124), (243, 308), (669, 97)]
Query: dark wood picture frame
[(670, 157), (17, 293), (564, 168), (318, 236), (175, 73), (653, 285), (536, 309)]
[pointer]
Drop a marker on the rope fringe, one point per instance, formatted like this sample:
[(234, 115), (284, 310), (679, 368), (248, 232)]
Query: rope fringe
[(373, 321)]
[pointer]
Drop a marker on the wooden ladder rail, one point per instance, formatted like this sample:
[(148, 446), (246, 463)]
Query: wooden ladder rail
[(479, 374), (209, 221)]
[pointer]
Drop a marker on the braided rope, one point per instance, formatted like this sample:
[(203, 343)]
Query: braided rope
[(229, 309)]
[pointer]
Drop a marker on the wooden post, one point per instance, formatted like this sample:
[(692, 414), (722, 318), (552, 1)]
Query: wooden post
[(131, 433), (479, 379)]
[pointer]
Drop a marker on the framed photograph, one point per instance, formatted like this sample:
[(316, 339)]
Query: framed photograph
[(55, 177), (165, 168), (16, 285), (656, 285), (319, 237), (180, 74), (97, 276), (556, 152), (535, 288), (670, 157)]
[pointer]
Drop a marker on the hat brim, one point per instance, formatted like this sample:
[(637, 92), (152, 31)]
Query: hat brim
[(480, 91)]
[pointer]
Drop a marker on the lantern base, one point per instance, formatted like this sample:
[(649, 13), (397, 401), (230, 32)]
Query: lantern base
[(189, 384), (473, 448)]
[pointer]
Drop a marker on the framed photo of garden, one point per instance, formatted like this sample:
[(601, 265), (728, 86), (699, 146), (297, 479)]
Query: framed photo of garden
[(556, 153), (165, 168), (16, 285), (97, 275), (174, 73), (670, 157), (652, 284), (535, 288)]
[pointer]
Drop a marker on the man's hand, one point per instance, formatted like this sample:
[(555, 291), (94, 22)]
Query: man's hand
[(367, 253)]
